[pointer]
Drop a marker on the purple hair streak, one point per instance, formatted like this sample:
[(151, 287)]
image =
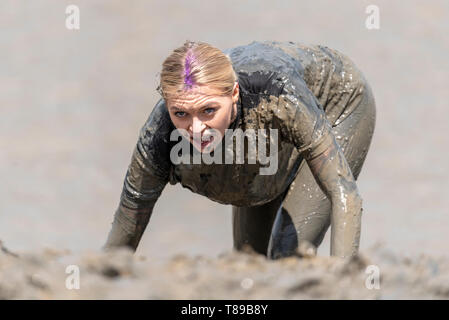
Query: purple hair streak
[(188, 81)]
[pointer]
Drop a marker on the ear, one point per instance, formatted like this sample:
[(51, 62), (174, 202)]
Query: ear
[(235, 92)]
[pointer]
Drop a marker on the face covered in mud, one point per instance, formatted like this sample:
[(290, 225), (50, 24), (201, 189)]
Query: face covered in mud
[(202, 115)]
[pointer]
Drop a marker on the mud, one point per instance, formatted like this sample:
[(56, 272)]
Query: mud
[(119, 274)]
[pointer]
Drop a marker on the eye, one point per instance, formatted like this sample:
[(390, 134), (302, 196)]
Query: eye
[(180, 114), (209, 110)]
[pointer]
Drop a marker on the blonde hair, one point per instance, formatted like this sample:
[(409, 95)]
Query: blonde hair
[(195, 64)]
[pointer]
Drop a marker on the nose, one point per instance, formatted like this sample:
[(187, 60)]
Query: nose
[(197, 126)]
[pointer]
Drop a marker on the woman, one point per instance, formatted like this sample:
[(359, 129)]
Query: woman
[(315, 99)]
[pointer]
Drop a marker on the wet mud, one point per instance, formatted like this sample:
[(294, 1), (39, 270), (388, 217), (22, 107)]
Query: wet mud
[(120, 274)]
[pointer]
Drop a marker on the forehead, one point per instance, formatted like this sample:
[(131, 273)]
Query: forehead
[(195, 98)]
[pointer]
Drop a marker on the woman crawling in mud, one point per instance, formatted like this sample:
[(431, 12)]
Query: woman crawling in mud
[(319, 114)]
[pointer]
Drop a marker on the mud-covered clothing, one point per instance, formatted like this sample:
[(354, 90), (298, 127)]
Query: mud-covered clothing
[(300, 90)]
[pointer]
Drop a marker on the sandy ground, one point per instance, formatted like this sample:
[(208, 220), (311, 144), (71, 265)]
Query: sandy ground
[(72, 104), (120, 274)]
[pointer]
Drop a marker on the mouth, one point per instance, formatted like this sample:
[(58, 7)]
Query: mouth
[(205, 141)]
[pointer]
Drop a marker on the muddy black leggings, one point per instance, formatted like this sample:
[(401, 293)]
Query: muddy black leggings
[(303, 211)]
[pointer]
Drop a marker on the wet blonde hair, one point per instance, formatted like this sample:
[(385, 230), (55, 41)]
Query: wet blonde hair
[(195, 64)]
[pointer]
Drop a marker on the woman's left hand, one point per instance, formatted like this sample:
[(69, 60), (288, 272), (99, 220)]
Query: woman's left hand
[(332, 172)]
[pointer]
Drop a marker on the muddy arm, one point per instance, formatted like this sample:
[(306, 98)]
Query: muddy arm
[(141, 188), (332, 172), (306, 126), (128, 227), (146, 177)]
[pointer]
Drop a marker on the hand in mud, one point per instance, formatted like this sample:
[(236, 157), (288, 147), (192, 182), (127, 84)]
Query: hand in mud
[(306, 249)]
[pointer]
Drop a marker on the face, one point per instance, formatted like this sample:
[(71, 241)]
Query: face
[(204, 114)]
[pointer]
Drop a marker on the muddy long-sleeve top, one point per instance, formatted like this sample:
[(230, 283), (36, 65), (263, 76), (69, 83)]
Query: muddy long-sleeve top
[(302, 91)]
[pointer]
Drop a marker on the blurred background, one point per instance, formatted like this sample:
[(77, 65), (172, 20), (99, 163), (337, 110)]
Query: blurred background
[(73, 101)]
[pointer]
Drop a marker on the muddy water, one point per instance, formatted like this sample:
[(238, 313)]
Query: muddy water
[(72, 104)]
